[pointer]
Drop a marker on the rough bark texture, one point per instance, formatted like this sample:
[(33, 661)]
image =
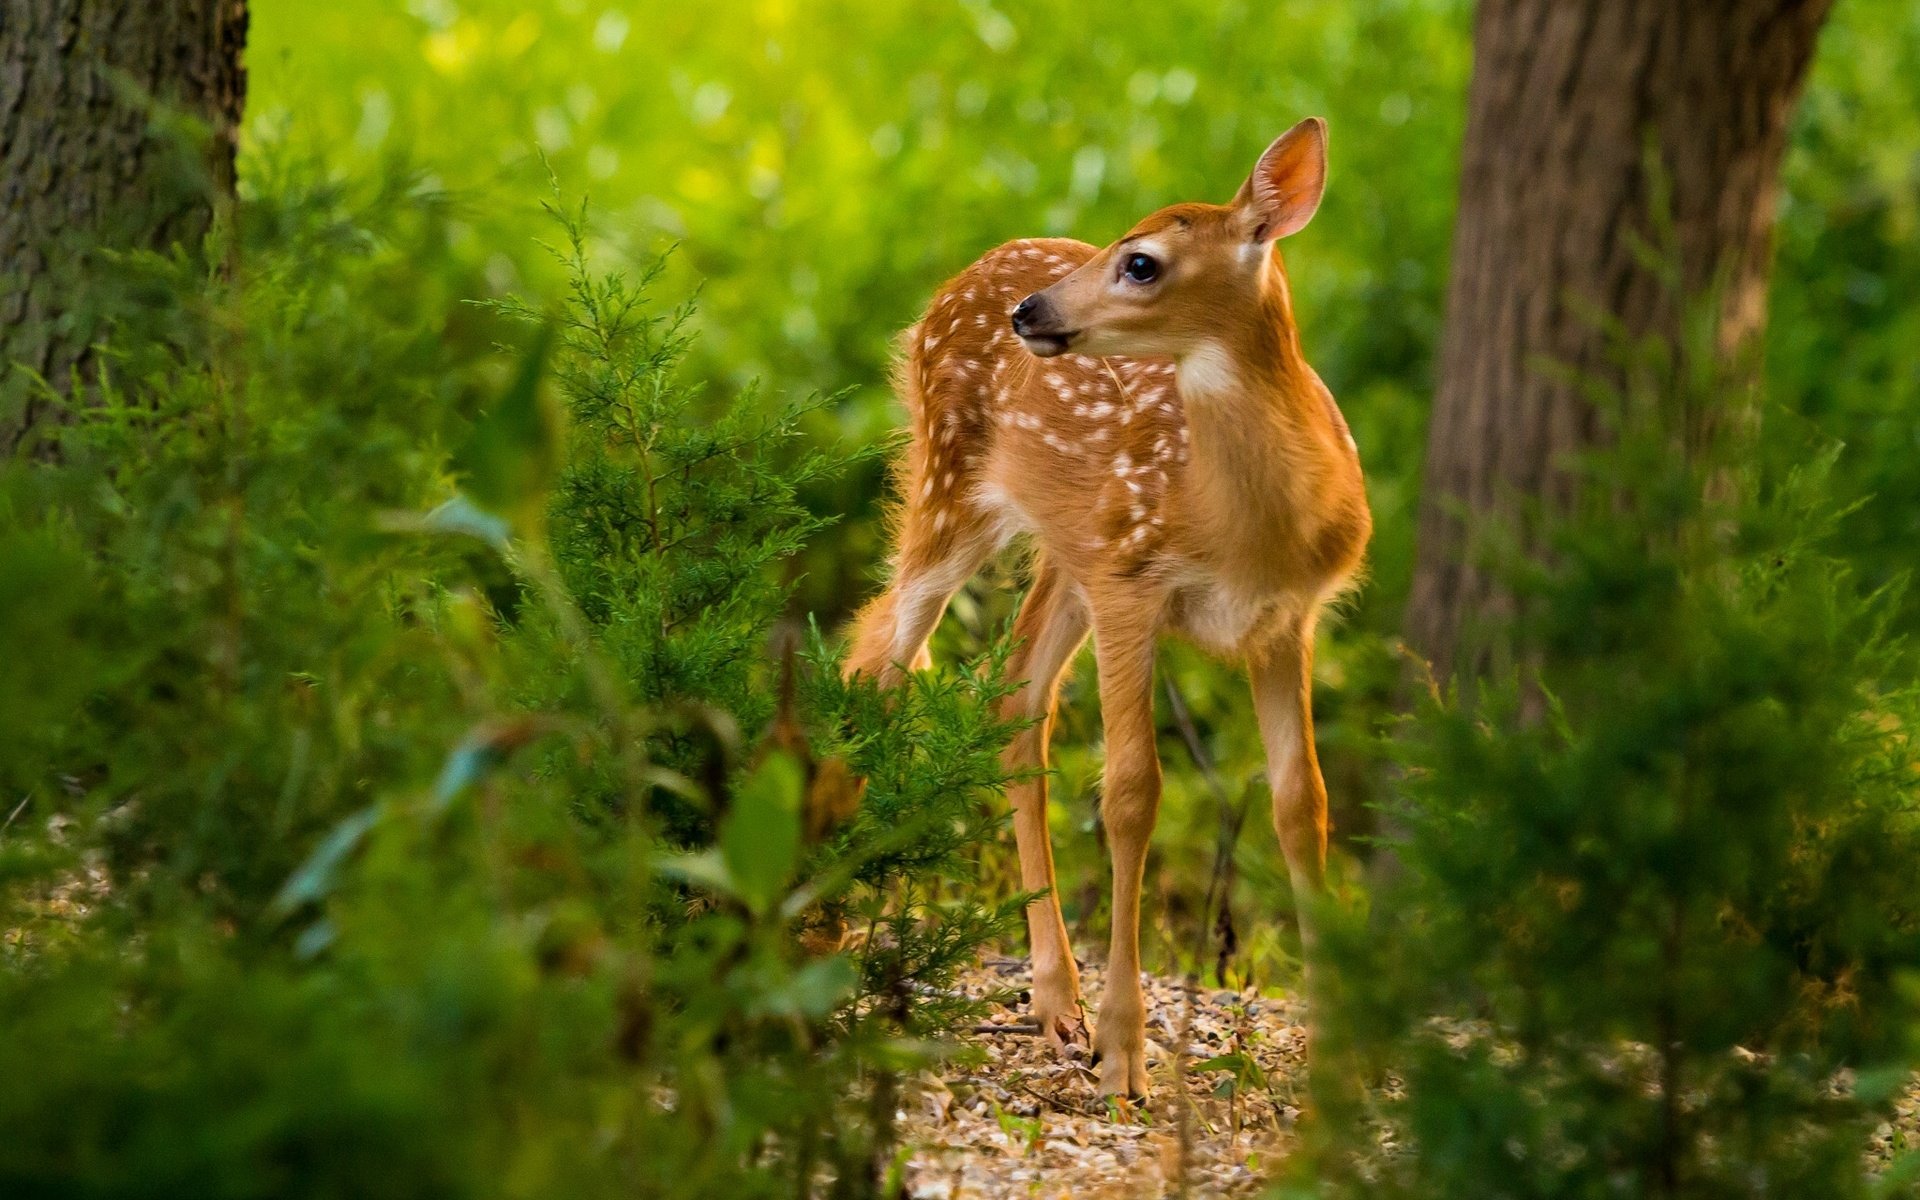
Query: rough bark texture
[(1567, 96), (87, 89)]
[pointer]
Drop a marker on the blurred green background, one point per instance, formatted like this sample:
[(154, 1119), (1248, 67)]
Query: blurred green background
[(822, 165)]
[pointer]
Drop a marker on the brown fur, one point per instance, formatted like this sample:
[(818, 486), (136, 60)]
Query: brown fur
[(1220, 499)]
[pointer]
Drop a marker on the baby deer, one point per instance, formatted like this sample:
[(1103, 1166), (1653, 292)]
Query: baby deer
[(1145, 413)]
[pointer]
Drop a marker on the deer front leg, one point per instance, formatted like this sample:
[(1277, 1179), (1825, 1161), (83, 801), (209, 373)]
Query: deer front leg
[(1050, 628), (1130, 805)]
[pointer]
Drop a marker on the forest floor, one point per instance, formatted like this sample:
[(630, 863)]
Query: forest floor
[(1018, 1119), (1229, 1068)]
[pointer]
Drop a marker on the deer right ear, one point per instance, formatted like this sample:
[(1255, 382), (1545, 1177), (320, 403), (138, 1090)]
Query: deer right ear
[(1283, 192)]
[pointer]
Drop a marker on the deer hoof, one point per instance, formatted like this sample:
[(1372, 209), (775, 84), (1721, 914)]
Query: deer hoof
[(1123, 1073)]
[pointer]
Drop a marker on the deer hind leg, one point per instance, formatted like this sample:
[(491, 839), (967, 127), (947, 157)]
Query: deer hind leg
[(1130, 806), (1051, 627), (890, 635), (1282, 681), (942, 537), (942, 542), (1283, 701)]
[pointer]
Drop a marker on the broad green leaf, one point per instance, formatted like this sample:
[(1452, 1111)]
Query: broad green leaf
[(1223, 1062), (1876, 1085), (705, 869), (815, 990), (515, 449), (760, 839)]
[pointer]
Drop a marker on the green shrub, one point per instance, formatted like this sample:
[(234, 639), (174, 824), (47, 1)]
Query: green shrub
[(383, 838), (1657, 904)]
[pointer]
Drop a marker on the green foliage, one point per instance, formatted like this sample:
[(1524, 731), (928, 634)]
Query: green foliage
[(396, 746), (1657, 922), (670, 519), (383, 839), (824, 165), (1842, 325)]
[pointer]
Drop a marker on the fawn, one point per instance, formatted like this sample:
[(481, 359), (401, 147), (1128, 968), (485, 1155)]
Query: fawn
[(1145, 414)]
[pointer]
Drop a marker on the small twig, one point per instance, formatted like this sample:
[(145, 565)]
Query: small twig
[(1217, 907), (17, 810), (1182, 1091), (1057, 1102), (1012, 1029)]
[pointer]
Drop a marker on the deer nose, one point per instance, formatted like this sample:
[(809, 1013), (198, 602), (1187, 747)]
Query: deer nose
[(1024, 313)]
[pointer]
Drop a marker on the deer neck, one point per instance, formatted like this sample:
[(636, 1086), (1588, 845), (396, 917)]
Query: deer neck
[(1263, 442)]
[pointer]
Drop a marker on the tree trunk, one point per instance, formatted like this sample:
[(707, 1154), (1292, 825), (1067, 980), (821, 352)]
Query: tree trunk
[(1567, 98), (88, 92)]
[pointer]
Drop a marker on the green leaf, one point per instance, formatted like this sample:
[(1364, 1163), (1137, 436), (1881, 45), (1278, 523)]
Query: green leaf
[(462, 516), (313, 879), (705, 869), (1223, 1062), (760, 839), (469, 763), (815, 989), (314, 940), (1874, 1086), (514, 452)]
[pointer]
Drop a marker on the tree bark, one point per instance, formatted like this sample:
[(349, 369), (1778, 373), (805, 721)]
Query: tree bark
[(1567, 99), (91, 92)]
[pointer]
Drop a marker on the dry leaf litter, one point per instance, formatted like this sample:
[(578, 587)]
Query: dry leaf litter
[(1229, 1077)]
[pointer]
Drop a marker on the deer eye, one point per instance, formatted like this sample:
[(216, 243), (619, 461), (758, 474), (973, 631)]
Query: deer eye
[(1141, 268)]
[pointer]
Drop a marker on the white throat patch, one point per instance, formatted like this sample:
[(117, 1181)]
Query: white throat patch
[(1205, 371)]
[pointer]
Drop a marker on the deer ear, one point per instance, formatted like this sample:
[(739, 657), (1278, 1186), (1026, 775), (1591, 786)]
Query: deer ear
[(1280, 197)]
